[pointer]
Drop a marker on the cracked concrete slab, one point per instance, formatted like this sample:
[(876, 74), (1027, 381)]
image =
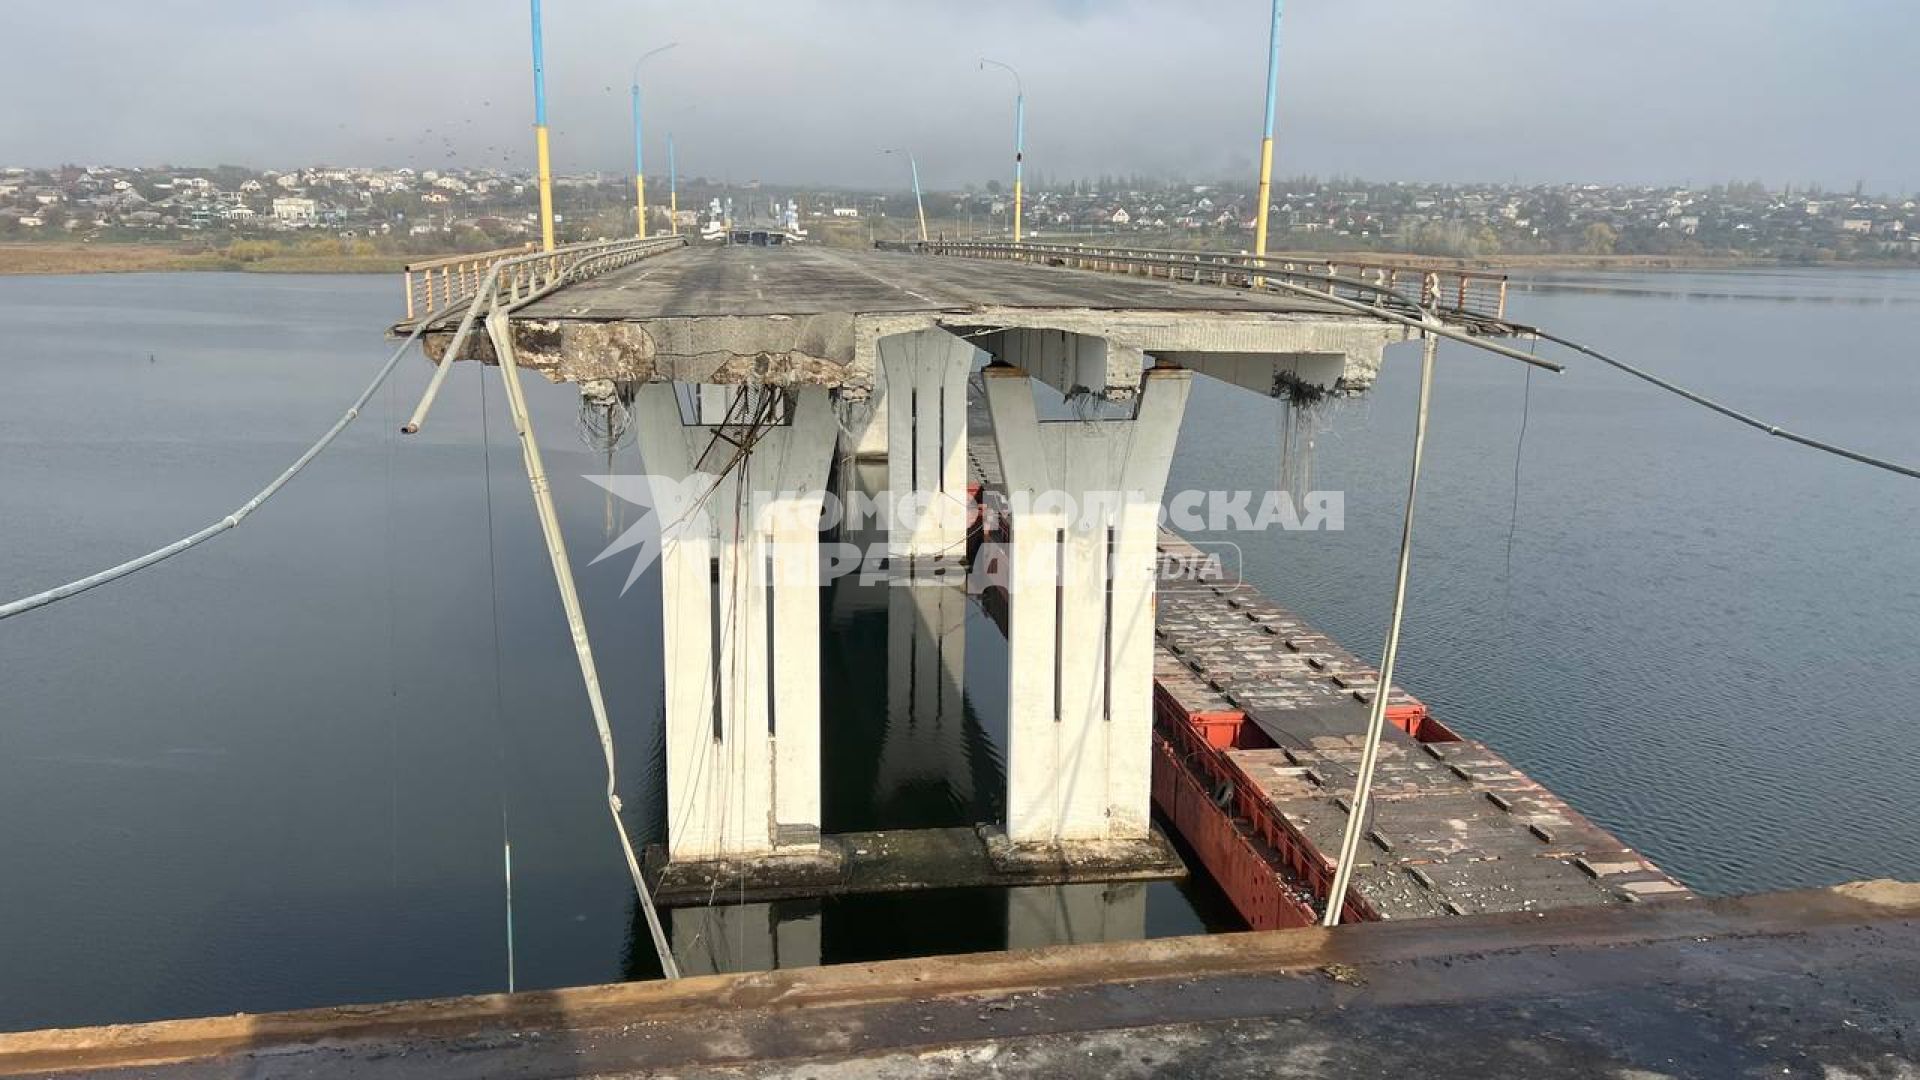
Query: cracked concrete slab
[(814, 316)]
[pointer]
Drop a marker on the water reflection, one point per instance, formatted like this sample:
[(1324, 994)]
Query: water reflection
[(906, 746), (747, 937), (883, 926)]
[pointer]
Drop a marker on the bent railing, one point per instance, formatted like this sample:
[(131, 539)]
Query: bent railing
[(518, 280), (438, 283)]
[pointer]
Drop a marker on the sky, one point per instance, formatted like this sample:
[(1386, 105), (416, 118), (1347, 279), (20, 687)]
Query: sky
[(810, 91)]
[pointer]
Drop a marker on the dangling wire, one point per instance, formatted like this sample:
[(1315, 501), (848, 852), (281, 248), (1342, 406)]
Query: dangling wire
[(393, 663), (548, 515), (232, 520), (1513, 514), (1303, 407), (499, 698), (605, 421), (606, 415)]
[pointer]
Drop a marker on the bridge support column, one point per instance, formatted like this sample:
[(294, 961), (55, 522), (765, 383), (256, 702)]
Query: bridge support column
[(925, 378), (1085, 499), (740, 600)]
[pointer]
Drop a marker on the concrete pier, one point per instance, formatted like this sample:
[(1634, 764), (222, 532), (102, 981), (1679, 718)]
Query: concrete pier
[(923, 407), (740, 599), (753, 369), (1085, 500)]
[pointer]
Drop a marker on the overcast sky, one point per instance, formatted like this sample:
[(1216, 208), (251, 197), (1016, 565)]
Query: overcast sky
[(1651, 91)]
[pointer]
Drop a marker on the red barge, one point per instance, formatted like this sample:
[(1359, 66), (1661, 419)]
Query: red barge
[(1259, 721)]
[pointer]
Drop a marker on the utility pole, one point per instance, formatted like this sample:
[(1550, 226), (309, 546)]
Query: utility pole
[(673, 189), (541, 140), (1266, 141), (1019, 138)]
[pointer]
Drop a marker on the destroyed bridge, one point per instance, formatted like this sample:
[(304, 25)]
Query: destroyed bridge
[(770, 367)]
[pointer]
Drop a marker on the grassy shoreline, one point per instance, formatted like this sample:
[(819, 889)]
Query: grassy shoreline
[(69, 258), (56, 258)]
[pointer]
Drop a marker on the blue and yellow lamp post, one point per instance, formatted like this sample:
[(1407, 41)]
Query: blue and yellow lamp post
[(540, 136), (1019, 139), (673, 189), (1266, 140), (639, 142)]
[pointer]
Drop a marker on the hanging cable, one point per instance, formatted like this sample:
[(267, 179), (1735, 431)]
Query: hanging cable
[(502, 336), (1519, 446), (1724, 410), (75, 588), (393, 665), (1508, 327), (1377, 716), (499, 654), (588, 259)]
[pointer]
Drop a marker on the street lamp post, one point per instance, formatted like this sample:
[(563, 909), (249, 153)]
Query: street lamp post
[(919, 204), (1266, 142), (639, 143), (540, 138), (1019, 138), (673, 189)]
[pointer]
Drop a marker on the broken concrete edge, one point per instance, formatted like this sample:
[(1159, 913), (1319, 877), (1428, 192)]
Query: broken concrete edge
[(840, 350), (907, 860), (989, 975)]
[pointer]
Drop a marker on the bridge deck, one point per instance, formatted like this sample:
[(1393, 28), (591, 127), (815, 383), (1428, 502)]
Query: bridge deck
[(798, 315), (801, 280)]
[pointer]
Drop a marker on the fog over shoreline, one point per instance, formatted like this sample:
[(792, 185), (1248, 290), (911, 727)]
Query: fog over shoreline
[(808, 91)]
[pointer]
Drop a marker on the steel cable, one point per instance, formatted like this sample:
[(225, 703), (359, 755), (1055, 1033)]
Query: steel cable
[(75, 588), (1724, 410)]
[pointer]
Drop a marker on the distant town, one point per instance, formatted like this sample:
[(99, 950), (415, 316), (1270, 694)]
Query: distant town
[(402, 211)]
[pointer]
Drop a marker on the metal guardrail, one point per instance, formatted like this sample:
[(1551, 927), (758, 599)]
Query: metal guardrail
[(517, 280), (1481, 292), (1464, 293), (437, 283)]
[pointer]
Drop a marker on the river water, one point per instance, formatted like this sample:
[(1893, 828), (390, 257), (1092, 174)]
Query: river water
[(278, 771)]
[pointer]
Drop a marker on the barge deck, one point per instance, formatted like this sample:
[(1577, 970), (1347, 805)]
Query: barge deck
[(1259, 721)]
